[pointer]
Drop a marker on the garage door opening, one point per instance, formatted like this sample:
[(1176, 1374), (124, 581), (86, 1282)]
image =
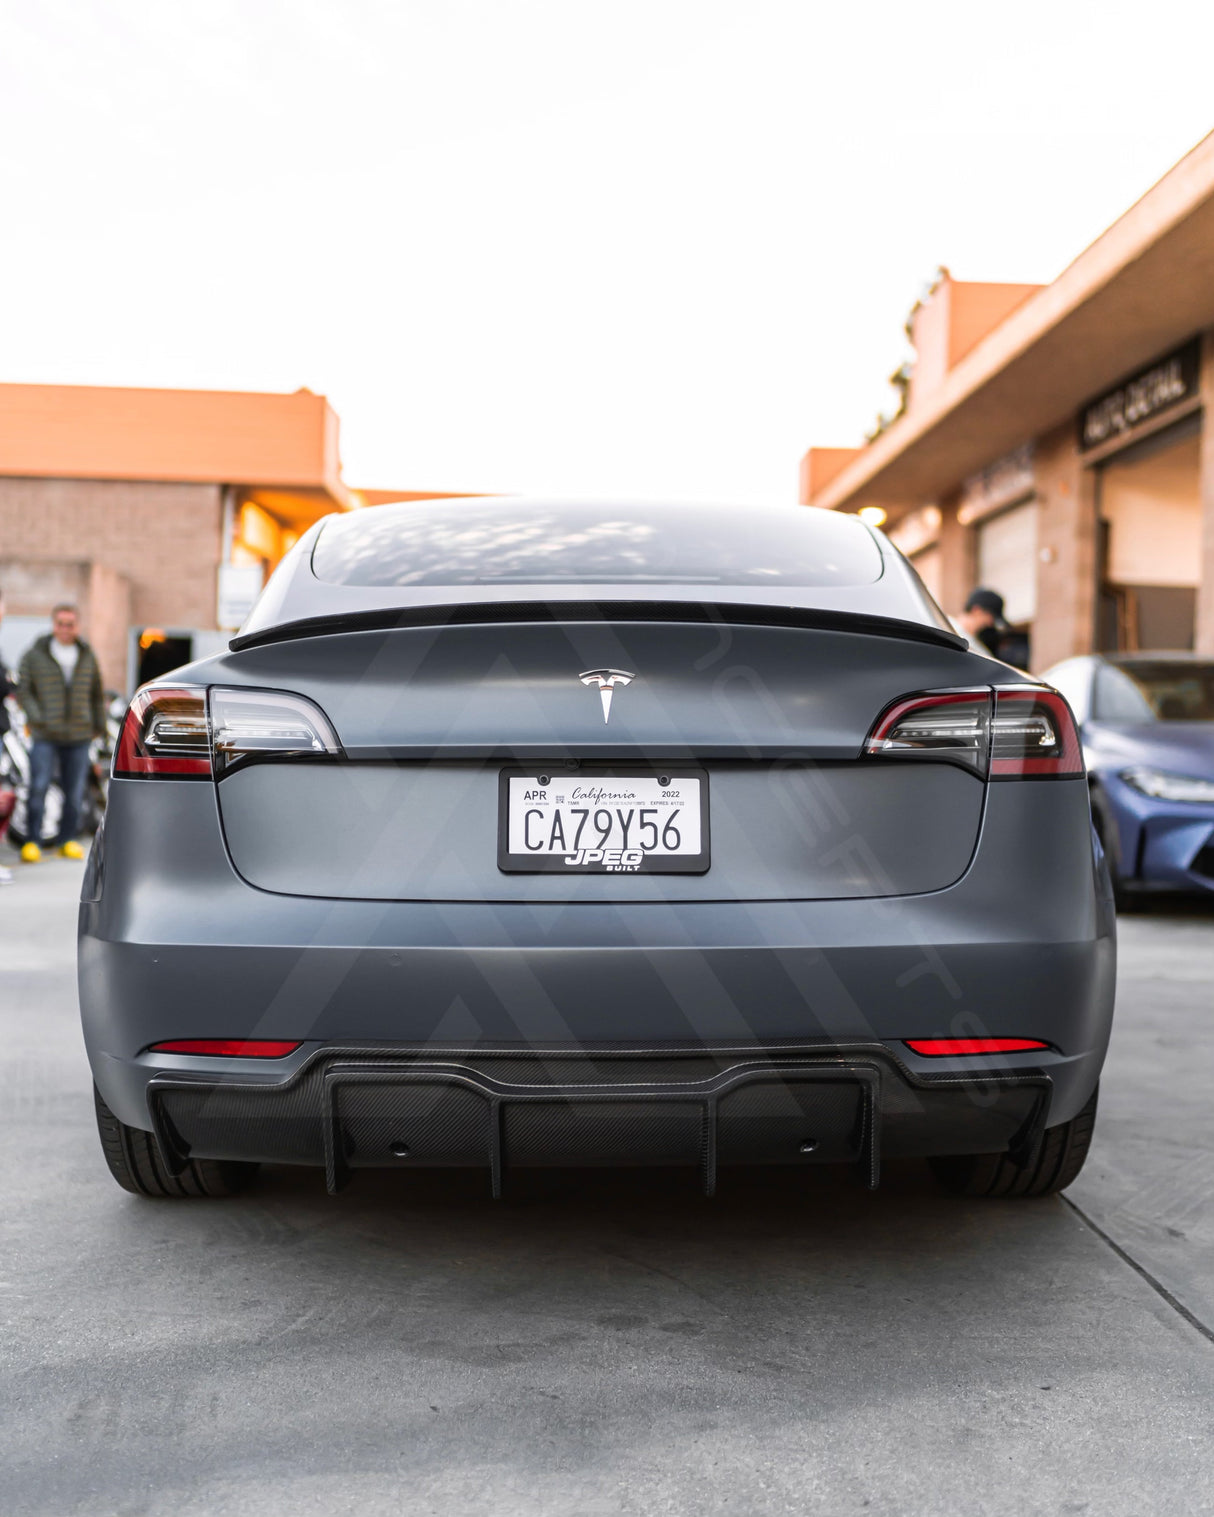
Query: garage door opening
[(160, 653), (1150, 542)]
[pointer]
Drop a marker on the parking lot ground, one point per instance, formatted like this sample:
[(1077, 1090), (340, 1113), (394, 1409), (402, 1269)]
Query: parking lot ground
[(1149, 1183), (608, 1343)]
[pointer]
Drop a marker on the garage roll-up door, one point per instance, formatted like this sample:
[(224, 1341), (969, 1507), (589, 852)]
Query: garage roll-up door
[(1007, 560)]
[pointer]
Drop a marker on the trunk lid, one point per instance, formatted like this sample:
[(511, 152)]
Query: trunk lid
[(774, 714)]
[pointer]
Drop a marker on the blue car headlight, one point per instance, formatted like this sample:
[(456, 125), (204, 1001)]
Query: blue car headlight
[(1162, 786)]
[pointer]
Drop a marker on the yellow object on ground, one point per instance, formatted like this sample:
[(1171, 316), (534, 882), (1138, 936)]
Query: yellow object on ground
[(71, 850), (31, 853)]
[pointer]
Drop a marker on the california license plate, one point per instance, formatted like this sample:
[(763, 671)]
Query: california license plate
[(603, 822)]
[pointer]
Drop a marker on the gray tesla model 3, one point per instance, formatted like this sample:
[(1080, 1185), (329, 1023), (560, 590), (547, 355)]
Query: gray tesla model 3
[(515, 833)]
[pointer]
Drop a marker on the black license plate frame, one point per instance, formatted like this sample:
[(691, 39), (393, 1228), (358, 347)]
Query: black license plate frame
[(650, 862)]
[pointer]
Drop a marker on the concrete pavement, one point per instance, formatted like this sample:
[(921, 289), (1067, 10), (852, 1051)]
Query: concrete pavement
[(608, 1344)]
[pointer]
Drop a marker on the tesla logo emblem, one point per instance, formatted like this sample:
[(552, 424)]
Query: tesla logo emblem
[(606, 680)]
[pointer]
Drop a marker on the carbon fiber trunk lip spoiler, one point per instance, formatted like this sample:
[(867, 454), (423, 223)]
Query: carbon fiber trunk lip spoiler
[(702, 613)]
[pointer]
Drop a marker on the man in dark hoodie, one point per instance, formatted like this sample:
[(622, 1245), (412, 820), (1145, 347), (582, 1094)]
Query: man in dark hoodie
[(982, 620), (60, 690)]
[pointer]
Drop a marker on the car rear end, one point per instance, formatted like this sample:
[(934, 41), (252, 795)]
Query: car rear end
[(661, 881)]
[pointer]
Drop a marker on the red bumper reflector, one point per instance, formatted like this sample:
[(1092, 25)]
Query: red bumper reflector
[(939, 1047), (229, 1048)]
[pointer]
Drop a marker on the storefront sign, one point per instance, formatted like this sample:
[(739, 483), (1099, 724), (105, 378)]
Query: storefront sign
[(1008, 479), (1165, 384)]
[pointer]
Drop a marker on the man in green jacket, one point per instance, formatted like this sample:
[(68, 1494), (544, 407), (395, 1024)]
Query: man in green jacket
[(59, 688)]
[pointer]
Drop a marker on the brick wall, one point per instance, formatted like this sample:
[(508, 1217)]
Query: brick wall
[(1066, 536), (157, 543), (107, 613), (956, 557), (1204, 639)]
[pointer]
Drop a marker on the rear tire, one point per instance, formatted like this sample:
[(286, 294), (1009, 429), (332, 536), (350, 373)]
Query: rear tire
[(1126, 900), (135, 1163), (1055, 1161)]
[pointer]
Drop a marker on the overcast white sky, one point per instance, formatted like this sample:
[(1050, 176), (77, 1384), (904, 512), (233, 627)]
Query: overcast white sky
[(654, 247)]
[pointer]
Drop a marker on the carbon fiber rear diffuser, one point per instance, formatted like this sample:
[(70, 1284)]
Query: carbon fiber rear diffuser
[(349, 1069), (499, 1095)]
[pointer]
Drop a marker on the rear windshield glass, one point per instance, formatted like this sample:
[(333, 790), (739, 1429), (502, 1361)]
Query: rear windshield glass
[(493, 542), (1155, 690)]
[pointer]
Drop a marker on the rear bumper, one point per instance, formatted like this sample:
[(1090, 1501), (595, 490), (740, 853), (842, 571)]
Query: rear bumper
[(351, 1108), (708, 983), (173, 944)]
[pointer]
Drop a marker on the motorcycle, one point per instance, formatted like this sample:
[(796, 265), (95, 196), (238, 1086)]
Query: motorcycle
[(15, 777)]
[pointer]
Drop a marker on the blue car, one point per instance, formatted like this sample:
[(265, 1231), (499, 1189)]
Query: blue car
[(1147, 725)]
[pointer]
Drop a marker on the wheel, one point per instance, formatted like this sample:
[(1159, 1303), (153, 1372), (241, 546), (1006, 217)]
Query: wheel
[(1126, 900), (135, 1163), (1056, 1159)]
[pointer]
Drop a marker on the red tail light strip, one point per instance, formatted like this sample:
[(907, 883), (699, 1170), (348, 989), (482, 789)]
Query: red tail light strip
[(229, 1048), (938, 1048)]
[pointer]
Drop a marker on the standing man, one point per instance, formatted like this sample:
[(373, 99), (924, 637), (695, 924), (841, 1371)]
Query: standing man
[(60, 690), (7, 796), (982, 620)]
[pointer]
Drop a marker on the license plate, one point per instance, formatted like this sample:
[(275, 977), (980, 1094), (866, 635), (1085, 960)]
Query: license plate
[(603, 822)]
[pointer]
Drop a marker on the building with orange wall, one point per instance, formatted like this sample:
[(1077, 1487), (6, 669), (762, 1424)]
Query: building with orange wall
[(158, 512), (1057, 442)]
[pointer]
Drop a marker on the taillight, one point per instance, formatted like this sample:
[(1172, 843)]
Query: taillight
[(947, 724), (1033, 734), (1012, 732), (171, 731), (266, 723), (229, 1048), (938, 1048), (165, 733)]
